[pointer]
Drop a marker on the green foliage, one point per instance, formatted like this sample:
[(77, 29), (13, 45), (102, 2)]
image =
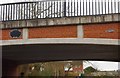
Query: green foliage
[(89, 69), (48, 69)]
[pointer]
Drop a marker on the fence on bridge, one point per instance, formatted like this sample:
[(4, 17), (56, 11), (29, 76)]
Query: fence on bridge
[(52, 9)]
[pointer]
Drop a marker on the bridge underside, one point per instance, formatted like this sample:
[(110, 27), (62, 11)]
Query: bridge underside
[(58, 52)]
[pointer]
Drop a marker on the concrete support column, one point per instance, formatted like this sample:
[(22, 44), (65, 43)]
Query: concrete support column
[(80, 32), (9, 68), (0, 63)]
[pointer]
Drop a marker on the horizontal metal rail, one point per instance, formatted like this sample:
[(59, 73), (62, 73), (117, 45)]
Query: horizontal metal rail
[(56, 9)]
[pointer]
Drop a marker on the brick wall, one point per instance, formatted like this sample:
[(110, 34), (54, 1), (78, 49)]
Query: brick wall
[(90, 31), (53, 32), (6, 34), (100, 31)]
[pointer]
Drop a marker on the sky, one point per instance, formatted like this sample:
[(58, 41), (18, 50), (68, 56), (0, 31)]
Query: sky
[(103, 65), (11, 1), (100, 65)]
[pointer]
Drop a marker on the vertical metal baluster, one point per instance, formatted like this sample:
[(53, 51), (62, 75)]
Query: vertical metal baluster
[(68, 8), (74, 8), (60, 8), (83, 8), (80, 7), (51, 8), (54, 9), (64, 8), (1, 18), (37, 9), (71, 8), (27, 11), (118, 6), (77, 7), (34, 6), (43, 10), (11, 12), (46, 9), (32, 10), (3, 12), (86, 8), (21, 11), (57, 9), (24, 11), (40, 10), (89, 8), (95, 8), (115, 6), (111, 6), (102, 6), (16, 12), (108, 7), (98, 7), (105, 6), (6, 12), (92, 8)]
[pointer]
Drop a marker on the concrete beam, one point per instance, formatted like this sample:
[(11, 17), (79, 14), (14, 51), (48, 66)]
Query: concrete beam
[(61, 41), (61, 21)]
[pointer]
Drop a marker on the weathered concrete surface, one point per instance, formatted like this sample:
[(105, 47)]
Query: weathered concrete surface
[(61, 41), (61, 21)]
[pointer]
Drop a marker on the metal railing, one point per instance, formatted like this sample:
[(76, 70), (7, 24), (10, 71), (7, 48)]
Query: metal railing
[(53, 9)]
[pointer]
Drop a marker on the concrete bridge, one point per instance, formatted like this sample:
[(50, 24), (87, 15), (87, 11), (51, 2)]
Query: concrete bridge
[(93, 37)]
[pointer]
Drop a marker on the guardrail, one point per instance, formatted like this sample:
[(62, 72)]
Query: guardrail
[(55, 9)]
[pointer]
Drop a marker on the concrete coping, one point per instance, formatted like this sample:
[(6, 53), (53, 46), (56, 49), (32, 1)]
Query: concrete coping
[(61, 21)]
